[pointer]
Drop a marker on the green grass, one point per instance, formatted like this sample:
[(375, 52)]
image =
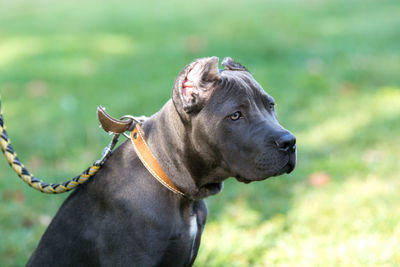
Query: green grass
[(332, 66)]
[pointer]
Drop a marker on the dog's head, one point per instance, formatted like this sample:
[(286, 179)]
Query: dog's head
[(232, 121)]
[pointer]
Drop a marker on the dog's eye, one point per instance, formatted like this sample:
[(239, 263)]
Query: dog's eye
[(271, 106), (237, 115)]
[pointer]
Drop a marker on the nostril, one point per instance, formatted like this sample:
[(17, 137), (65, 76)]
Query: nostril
[(286, 142)]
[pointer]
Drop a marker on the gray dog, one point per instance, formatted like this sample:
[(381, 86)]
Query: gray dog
[(218, 124)]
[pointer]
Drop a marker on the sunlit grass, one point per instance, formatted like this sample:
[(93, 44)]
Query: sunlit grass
[(349, 115), (354, 223), (13, 49)]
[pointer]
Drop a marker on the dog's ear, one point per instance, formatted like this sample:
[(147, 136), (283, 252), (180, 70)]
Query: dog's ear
[(196, 82), (230, 64)]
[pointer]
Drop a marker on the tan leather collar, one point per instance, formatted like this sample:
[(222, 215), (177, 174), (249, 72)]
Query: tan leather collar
[(149, 161), (115, 126)]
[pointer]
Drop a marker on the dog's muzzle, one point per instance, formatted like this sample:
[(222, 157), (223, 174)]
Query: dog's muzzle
[(287, 143)]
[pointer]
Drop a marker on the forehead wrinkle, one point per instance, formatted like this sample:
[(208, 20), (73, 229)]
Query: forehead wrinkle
[(245, 80), (239, 79), (237, 87), (253, 93)]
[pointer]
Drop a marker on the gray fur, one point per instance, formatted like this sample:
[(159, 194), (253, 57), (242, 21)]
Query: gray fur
[(124, 217)]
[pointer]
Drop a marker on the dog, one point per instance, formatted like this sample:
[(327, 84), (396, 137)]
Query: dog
[(217, 124)]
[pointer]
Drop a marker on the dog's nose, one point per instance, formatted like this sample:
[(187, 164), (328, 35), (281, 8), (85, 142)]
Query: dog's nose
[(286, 142)]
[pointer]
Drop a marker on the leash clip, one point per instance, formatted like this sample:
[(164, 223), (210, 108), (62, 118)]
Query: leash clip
[(104, 155), (107, 151)]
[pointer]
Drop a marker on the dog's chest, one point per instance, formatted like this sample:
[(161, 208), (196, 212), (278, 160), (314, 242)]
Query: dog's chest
[(187, 233), (193, 229), (182, 244)]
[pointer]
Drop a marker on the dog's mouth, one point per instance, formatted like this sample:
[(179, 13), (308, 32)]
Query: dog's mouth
[(287, 168)]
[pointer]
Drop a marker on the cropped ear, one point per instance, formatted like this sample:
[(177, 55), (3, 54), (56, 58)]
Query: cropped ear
[(230, 64), (196, 82)]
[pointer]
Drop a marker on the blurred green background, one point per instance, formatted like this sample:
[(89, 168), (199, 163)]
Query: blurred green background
[(332, 66)]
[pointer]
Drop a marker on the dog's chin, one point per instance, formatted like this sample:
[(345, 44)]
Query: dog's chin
[(249, 180), (245, 180), (288, 168)]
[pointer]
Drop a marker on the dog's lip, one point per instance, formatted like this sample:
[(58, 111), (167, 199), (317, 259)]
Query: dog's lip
[(290, 168), (292, 161)]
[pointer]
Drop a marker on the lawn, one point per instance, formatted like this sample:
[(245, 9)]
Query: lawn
[(332, 66)]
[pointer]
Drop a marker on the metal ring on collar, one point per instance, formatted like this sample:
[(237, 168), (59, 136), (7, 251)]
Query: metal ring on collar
[(125, 117)]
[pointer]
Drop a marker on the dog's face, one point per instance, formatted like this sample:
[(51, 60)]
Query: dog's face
[(234, 120), (251, 141)]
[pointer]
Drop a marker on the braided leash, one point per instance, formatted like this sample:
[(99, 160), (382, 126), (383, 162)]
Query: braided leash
[(39, 185)]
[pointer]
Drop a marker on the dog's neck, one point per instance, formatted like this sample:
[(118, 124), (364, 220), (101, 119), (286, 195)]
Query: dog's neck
[(169, 139)]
